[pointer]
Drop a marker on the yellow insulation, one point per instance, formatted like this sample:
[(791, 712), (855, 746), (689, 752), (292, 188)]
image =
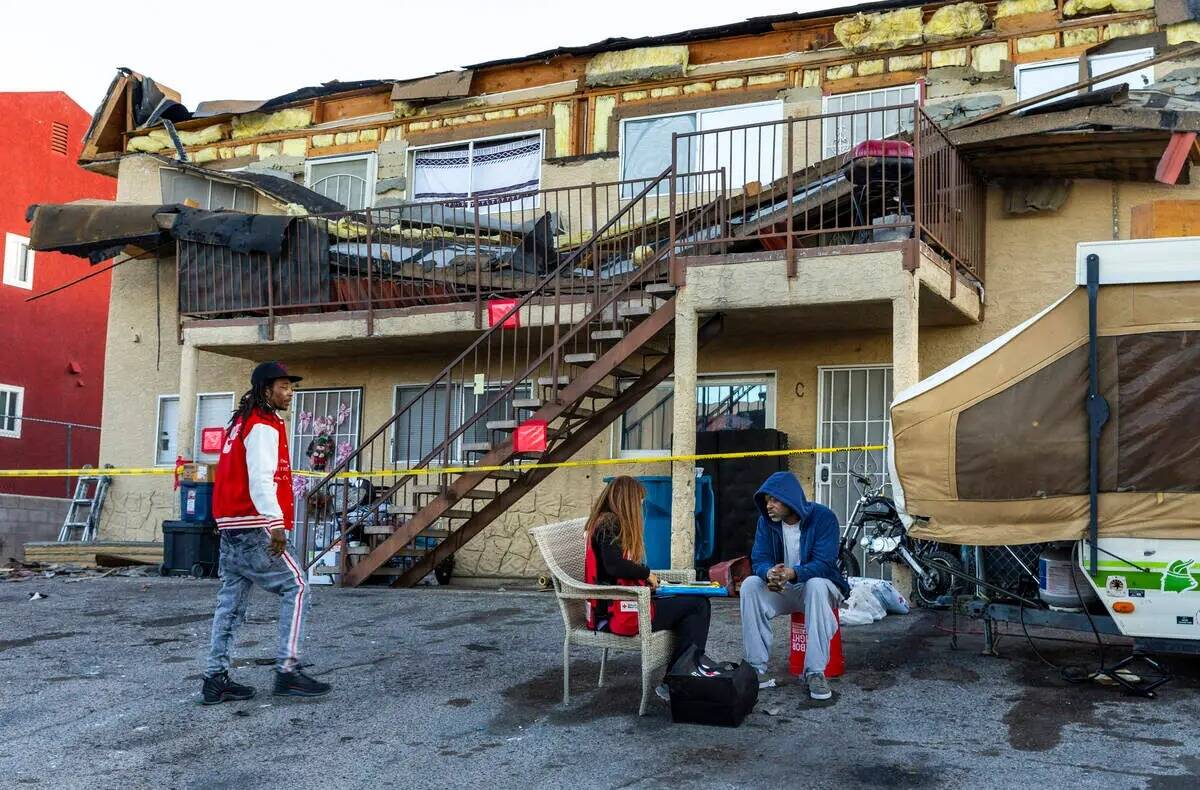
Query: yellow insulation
[(1018, 7), (158, 139), (872, 32), (1184, 31), (956, 21), (1079, 7), (1138, 27), (260, 123)]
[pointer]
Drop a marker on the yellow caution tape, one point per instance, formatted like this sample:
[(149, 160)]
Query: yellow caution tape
[(449, 470)]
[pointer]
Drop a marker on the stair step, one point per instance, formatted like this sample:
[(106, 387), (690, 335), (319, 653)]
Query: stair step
[(659, 288), (476, 447), (601, 391), (505, 474), (427, 488), (480, 493), (580, 359), (634, 310), (402, 510), (434, 532), (378, 529), (527, 403), (326, 570), (608, 335), (455, 514), (387, 570), (548, 381), (358, 550), (501, 425)]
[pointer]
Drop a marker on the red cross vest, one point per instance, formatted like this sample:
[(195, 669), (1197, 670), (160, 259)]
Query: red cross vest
[(620, 617)]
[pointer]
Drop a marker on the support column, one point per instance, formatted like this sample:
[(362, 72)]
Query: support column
[(683, 438), (189, 360), (906, 370)]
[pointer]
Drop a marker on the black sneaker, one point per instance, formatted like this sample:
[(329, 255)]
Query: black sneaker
[(298, 684), (219, 688)]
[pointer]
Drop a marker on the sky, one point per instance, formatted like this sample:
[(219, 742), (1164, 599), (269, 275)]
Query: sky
[(256, 49)]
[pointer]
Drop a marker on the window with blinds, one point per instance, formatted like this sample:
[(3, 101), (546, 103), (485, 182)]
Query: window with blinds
[(423, 427), (165, 447), (841, 132)]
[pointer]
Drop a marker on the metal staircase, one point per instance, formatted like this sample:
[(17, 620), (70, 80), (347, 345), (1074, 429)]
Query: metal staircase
[(591, 339)]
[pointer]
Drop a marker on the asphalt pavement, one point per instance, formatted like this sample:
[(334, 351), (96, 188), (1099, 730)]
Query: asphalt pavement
[(461, 688)]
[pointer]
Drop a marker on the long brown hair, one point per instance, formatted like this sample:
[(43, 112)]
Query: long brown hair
[(622, 498)]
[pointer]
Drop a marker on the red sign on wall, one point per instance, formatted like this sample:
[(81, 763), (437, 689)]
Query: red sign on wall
[(503, 312), (212, 440), (530, 437)]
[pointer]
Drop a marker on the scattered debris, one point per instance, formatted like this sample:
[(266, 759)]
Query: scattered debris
[(771, 711), (37, 596), (19, 571)]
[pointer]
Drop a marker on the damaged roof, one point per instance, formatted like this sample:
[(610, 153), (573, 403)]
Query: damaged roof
[(281, 188), (750, 27), (1113, 134)]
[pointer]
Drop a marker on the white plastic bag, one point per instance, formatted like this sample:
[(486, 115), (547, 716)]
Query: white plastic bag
[(861, 604), (889, 597)]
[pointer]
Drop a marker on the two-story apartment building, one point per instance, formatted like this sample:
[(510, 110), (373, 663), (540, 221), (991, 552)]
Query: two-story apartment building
[(772, 224)]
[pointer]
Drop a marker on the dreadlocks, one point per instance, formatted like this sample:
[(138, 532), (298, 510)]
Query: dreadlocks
[(253, 400)]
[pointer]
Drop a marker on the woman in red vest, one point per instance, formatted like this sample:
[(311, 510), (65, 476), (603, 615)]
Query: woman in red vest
[(616, 554)]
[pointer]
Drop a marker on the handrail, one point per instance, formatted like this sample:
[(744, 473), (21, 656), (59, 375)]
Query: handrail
[(499, 393), (497, 327)]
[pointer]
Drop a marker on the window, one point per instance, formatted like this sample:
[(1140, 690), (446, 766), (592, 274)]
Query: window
[(213, 410), (335, 413), (723, 403), (18, 261), (745, 155), (842, 132), (12, 403), (1034, 79), (423, 427), (165, 448), (350, 180), (478, 169), (205, 193)]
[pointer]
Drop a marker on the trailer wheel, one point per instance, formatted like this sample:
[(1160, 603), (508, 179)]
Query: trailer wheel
[(940, 582)]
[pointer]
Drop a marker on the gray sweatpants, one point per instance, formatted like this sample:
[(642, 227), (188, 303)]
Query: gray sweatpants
[(815, 597), (245, 562)]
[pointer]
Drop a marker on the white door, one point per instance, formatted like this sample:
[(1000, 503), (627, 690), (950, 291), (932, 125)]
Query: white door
[(854, 409)]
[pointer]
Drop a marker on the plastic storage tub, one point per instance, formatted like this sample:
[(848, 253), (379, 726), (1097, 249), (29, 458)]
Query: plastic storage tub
[(190, 547), (195, 501)]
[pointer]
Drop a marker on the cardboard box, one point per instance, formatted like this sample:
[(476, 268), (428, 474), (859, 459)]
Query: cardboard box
[(198, 473)]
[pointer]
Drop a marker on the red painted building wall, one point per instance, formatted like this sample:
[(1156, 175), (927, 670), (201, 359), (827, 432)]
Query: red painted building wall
[(53, 347)]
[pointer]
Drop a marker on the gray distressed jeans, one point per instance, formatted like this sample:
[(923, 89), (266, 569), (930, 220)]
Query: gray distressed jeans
[(245, 562), (815, 597)]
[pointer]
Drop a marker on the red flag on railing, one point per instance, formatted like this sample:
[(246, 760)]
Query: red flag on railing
[(503, 312)]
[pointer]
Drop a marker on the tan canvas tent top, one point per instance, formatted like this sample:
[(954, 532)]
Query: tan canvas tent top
[(994, 449)]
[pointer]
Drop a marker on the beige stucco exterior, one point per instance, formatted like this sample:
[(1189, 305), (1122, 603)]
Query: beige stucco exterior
[(856, 307)]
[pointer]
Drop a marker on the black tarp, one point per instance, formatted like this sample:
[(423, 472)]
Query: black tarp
[(216, 278)]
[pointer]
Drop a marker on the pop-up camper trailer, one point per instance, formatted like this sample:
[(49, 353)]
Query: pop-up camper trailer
[(1001, 447)]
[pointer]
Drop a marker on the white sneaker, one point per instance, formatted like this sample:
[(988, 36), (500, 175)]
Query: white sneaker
[(765, 681), (663, 691)]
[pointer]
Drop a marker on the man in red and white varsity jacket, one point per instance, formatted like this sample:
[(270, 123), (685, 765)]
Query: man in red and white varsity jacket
[(252, 503)]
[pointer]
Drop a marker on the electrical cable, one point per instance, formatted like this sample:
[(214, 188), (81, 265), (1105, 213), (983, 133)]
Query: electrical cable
[(1071, 673)]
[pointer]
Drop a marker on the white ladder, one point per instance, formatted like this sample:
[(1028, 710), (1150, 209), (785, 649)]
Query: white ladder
[(93, 500)]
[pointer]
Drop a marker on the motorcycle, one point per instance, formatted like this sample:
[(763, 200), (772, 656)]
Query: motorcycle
[(875, 525)]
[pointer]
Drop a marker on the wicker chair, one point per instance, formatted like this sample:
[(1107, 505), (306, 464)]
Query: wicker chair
[(562, 546)]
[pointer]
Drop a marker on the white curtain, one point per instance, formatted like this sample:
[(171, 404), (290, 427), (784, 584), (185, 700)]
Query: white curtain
[(479, 170), (506, 166), (442, 174)]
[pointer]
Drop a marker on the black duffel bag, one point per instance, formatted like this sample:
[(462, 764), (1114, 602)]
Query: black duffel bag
[(704, 691)]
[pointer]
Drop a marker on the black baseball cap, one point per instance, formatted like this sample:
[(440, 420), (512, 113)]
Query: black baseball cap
[(267, 372)]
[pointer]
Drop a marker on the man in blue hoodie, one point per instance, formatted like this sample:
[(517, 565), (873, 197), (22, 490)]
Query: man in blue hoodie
[(795, 561)]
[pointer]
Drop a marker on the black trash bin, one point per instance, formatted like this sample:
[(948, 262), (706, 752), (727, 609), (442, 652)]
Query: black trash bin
[(190, 547)]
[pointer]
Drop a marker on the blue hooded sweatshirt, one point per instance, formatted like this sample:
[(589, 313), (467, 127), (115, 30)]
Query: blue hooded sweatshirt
[(819, 534)]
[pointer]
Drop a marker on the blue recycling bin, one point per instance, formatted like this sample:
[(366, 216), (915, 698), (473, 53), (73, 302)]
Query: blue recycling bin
[(656, 515)]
